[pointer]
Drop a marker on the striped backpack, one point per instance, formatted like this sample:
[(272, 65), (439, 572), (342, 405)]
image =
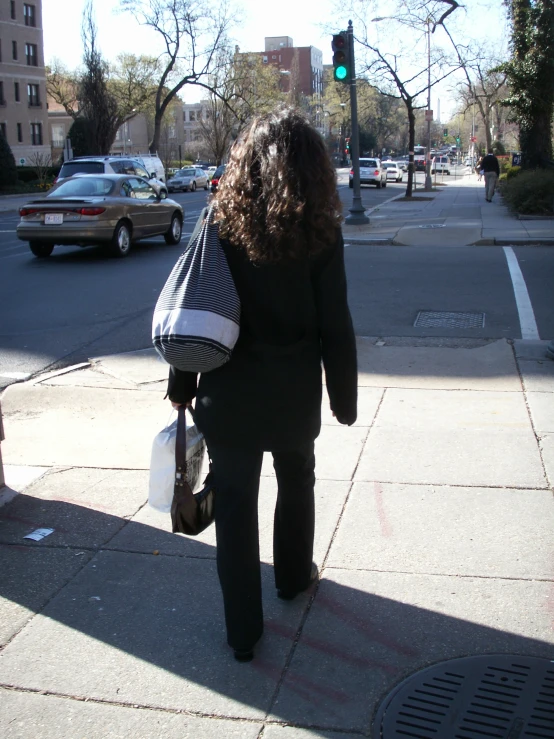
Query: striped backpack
[(196, 319)]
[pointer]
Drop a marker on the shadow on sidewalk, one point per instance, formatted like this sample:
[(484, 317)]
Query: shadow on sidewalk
[(120, 624)]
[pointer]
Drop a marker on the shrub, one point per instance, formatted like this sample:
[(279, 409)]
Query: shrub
[(8, 171), (531, 192), (511, 172)]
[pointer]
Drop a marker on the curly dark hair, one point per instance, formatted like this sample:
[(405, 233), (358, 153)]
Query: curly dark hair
[(278, 197)]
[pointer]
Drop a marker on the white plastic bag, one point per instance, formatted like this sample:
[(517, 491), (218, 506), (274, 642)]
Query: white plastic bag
[(162, 463)]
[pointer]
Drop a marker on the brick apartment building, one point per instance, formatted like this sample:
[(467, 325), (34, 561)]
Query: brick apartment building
[(304, 61), (23, 109)]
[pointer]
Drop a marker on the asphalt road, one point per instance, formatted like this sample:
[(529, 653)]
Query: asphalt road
[(80, 303)]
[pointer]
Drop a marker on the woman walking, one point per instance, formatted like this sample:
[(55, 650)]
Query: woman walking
[(279, 218)]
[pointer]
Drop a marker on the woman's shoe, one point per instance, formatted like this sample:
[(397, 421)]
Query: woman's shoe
[(291, 594), (244, 655)]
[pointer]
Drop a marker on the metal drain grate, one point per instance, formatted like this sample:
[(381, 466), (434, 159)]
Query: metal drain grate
[(500, 696), (448, 319), (433, 225)]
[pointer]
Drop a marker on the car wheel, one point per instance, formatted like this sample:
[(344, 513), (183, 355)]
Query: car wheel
[(207, 186), (173, 235), (385, 183), (41, 250), (193, 186), (120, 245), (351, 184), (379, 185), (448, 172)]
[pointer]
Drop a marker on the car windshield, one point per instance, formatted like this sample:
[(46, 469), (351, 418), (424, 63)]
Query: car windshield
[(389, 165), (368, 163), (70, 168), (219, 171), (186, 173), (83, 186)]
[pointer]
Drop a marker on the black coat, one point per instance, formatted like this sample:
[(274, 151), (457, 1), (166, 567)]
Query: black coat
[(268, 395)]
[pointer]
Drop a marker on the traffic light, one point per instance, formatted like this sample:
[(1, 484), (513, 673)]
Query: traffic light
[(341, 57), (445, 132), (347, 144), (457, 139)]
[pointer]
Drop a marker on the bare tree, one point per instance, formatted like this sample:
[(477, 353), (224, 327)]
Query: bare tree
[(105, 96), (401, 75), (193, 33), (41, 162)]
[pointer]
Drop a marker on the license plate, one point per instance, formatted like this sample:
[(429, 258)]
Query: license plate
[(53, 218)]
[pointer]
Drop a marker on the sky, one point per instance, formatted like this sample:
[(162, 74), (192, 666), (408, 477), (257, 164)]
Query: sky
[(308, 22)]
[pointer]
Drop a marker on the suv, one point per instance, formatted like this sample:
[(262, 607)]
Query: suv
[(108, 165), (440, 164), (371, 173)]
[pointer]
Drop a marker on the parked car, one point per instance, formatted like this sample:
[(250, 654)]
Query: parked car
[(217, 175), (108, 165), (440, 164), (371, 173), (188, 178), (210, 171), (393, 171), (115, 210)]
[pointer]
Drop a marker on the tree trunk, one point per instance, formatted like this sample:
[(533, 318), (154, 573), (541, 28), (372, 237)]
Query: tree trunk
[(487, 124), (411, 144), (536, 142), (154, 145)]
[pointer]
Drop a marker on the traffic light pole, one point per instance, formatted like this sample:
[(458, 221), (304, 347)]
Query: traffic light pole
[(357, 215)]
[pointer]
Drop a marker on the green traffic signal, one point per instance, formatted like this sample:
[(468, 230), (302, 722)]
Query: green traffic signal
[(341, 57)]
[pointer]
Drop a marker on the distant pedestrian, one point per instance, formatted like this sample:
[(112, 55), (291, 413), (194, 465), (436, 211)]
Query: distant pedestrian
[(491, 169), (478, 169)]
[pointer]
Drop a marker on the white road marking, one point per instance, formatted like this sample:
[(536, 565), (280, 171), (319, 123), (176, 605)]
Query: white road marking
[(527, 322)]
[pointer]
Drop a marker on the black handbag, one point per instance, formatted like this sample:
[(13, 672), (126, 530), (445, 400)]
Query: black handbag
[(190, 513)]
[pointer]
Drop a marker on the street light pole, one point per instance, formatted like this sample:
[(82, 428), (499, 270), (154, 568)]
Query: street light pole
[(428, 181)]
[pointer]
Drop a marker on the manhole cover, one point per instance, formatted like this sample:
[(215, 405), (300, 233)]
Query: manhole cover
[(448, 319), (503, 696)]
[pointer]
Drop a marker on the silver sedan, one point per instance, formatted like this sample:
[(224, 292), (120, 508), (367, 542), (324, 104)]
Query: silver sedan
[(188, 178), (99, 209)]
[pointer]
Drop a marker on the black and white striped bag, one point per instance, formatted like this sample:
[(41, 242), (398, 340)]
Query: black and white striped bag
[(196, 319)]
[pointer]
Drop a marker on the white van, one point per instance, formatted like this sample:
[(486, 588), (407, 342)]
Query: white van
[(440, 164), (153, 165)]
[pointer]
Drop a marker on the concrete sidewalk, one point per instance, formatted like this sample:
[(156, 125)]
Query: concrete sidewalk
[(456, 214), (434, 540)]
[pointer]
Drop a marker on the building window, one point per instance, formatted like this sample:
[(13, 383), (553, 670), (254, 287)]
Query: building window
[(12, 9), (19, 133), (3, 130), (31, 55), (2, 99), (192, 115), (14, 50), (29, 15), (58, 135), (33, 95), (16, 91), (36, 134), (264, 59)]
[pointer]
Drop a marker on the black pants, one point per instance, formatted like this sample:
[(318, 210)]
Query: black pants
[(237, 482)]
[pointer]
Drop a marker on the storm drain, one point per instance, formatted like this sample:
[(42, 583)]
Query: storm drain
[(433, 225), (447, 319), (500, 696)]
